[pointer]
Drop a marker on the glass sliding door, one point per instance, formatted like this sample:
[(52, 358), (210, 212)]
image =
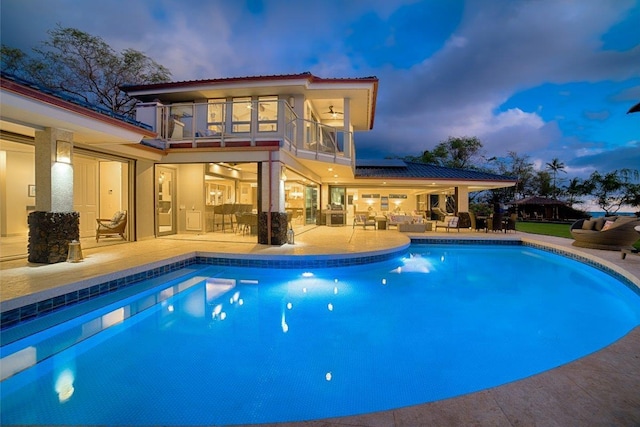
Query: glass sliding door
[(165, 201)]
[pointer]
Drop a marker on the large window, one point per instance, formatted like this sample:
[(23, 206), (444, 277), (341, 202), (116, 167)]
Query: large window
[(241, 113), (215, 115), (268, 114)]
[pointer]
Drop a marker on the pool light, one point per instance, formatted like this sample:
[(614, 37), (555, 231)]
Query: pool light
[(64, 385), (307, 274)]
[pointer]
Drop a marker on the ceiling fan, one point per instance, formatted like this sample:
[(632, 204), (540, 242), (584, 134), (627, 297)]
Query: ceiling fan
[(333, 113)]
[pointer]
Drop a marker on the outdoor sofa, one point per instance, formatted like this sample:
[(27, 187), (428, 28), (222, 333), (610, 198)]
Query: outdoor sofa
[(608, 233), (396, 219)]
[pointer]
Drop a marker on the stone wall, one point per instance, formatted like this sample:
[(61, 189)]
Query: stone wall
[(278, 228), (50, 234)]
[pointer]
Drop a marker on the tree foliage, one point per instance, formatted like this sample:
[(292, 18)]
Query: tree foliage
[(555, 166), (85, 67), (573, 191), (613, 190), (521, 168), (455, 152)]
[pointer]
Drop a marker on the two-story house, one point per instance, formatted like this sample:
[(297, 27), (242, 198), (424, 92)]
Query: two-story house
[(239, 158), (282, 148)]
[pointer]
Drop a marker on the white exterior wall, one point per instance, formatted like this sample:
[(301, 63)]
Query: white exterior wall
[(145, 203), (190, 197)]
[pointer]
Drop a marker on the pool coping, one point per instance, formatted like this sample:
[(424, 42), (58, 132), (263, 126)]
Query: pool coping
[(28, 307)]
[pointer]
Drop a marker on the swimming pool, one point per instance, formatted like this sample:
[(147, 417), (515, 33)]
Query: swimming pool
[(225, 345)]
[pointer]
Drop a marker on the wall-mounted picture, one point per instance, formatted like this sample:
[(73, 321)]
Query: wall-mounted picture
[(384, 203), (31, 190)]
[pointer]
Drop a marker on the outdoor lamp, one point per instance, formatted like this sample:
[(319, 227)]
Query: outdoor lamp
[(63, 152)]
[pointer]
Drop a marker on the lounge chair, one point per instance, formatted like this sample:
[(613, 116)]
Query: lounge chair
[(113, 227), (364, 220), (612, 233), (449, 223)]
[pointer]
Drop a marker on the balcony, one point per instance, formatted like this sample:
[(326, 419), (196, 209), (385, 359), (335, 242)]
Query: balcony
[(251, 123)]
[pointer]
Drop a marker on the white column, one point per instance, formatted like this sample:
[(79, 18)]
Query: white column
[(463, 198), (54, 170)]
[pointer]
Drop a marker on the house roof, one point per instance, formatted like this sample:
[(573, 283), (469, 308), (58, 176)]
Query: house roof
[(246, 79), (45, 94), (322, 92), (400, 169), (26, 107)]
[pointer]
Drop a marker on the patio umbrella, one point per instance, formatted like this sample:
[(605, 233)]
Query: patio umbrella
[(634, 109)]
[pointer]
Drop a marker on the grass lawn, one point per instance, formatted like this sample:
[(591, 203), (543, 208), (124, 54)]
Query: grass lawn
[(558, 230)]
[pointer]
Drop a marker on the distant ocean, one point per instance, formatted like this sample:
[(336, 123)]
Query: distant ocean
[(599, 214)]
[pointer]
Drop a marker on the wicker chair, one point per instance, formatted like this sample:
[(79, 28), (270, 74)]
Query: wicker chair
[(609, 233), (113, 227), (364, 220)]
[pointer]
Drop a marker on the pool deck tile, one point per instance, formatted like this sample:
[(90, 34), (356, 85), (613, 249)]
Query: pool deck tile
[(601, 389)]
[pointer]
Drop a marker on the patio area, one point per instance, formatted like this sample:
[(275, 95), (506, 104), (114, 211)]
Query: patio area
[(600, 389)]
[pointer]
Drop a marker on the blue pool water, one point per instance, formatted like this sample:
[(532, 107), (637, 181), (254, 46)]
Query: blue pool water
[(230, 345)]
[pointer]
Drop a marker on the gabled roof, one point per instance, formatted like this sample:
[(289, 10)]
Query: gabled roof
[(400, 169)]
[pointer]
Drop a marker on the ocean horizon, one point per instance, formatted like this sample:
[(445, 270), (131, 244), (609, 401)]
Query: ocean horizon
[(598, 214)]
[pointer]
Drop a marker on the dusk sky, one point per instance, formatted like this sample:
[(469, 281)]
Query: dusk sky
[(542, 78)]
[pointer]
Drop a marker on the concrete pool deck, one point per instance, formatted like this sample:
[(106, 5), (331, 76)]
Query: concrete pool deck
[(600, 389)]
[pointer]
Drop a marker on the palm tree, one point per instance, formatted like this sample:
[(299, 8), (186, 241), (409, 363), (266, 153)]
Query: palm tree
[(555, 166)]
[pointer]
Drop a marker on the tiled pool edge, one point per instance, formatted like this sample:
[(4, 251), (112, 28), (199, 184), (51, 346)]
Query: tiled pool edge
[(13, 316), (629, 280)]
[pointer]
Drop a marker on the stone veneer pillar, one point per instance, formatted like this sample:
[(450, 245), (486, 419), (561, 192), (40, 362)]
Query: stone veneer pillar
[(278, 230), (54, 224), (50, 234)]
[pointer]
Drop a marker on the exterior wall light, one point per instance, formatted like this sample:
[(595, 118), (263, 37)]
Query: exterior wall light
[(63, 152)]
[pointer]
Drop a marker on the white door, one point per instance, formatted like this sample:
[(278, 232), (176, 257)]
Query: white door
[(85, 193)]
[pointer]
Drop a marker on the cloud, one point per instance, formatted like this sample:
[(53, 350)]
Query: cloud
[(597, 115), (454, 83), (459, 90), (627, 157)]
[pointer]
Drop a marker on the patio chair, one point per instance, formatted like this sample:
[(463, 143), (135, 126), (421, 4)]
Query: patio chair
[(612, 233), (364, 220), (247, 222), (449, 223), (495, 223), (510, 223), (112, 227)]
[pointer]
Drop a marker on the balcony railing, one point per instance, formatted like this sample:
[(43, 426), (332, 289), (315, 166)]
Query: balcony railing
[(209, 124)]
